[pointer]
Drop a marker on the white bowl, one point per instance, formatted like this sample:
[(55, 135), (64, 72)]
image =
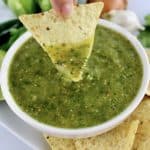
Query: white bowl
[(81, 132)]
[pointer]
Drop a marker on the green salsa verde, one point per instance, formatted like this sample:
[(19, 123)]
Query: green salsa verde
[(110, 81)]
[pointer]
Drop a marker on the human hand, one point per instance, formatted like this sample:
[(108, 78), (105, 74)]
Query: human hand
[(63, 7)]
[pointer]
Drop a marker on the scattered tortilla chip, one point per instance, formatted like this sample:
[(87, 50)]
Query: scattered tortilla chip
[(142, 138), (120, 138), (148, 89), (142, 113), (68, 41), (60, 143)]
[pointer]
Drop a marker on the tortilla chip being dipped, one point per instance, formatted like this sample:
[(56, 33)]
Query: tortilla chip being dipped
[(67, 41)]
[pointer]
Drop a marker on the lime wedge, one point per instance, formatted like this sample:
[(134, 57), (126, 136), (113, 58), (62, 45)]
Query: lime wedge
[(2, 54)]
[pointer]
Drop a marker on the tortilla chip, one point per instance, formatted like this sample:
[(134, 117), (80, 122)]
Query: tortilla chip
[(142, 113), (142, 138), (68, 41), (148, 89), (60, 143), (120, 138)]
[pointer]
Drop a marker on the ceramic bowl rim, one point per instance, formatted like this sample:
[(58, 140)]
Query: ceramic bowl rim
[(81, 132)]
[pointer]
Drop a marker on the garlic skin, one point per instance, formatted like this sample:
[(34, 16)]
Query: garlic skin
[(124, 18)]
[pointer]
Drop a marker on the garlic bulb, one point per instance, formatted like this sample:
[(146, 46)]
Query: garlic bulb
[(124, 18)]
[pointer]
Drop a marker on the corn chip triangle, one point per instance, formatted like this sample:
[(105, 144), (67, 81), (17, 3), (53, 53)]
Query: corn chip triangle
[(68, 41)]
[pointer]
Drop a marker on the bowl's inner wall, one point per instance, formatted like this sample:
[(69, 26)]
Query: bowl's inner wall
[(106, 89)]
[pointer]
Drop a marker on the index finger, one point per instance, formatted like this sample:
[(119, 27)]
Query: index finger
[(63, 7)]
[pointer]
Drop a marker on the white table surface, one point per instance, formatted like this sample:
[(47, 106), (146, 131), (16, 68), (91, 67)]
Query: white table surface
[(9, 141)]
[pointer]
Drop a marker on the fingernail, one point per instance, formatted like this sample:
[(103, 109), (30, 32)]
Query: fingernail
[(66, 10)]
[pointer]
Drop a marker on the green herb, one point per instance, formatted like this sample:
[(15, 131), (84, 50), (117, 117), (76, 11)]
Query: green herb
[(44, 5), (20, 7), (9, 32), (147, 20), (144, 36), (14, 34), (9, 24)]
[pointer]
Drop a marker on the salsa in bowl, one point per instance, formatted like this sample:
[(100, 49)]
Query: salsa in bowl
[(114, 81)]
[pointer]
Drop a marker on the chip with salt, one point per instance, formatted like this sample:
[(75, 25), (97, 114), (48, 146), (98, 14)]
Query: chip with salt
[(60, 143), (142, 137), (120, 138), (67, 41)]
